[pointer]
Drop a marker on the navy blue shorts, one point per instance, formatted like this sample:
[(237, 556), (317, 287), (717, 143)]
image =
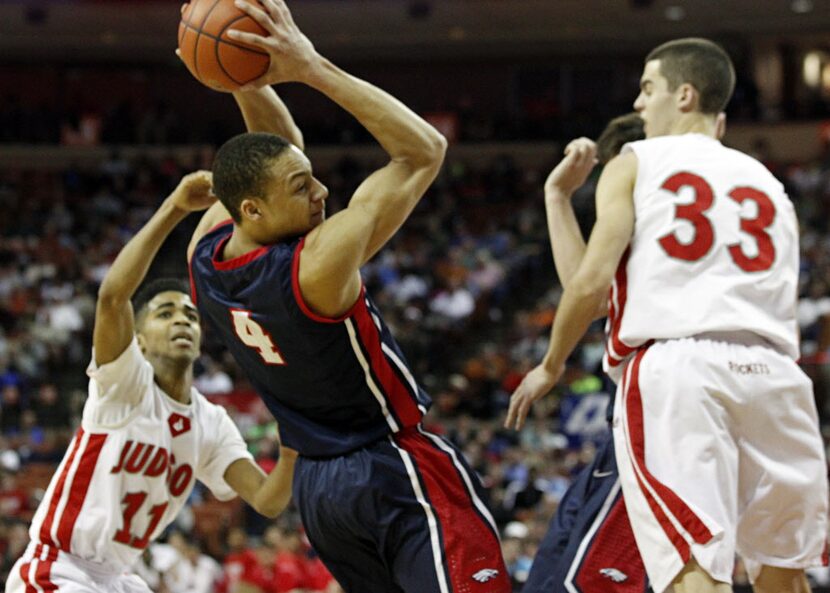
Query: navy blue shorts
[(404, 514), (589, 546)]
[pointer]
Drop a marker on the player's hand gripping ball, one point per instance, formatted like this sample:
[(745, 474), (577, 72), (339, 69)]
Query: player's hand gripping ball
[(212, 57)]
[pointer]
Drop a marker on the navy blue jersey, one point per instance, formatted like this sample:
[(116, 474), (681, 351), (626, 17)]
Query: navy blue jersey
[(333, 385)]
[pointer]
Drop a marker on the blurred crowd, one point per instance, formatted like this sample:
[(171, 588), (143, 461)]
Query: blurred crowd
[(467, 286)]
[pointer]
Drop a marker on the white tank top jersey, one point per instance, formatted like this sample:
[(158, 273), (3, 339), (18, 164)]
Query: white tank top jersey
[(714, 249), (132, 464)]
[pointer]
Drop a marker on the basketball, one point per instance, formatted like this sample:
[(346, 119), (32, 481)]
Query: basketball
[(212, 57)]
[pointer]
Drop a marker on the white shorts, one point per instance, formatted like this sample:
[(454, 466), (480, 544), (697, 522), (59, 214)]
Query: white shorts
[(719, 452), (42, 569)]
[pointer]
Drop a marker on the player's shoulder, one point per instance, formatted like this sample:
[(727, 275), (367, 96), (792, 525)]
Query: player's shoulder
[(206, 243)]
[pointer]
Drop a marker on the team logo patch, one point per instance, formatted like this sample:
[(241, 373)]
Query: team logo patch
[(485, 574), (615, 575), (178, 424)]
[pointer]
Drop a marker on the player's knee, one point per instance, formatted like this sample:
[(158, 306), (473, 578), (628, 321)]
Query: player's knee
[(774, 579), (693, 579)]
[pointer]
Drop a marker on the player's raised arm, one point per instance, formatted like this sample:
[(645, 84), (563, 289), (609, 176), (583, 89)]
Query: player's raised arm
[(114, 323), (589, 287), (566, 241), (264, 111), (335, 250)]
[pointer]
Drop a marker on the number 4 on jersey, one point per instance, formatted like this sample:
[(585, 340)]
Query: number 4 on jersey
[(254, 335)]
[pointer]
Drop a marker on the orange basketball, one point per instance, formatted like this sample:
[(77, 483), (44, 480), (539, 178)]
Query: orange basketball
[(211, 56)]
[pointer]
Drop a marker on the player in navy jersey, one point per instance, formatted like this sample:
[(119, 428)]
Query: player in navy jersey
[(388, 506)]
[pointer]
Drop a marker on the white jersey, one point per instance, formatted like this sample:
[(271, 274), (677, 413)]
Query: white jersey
[(714, 250), (132, 464)]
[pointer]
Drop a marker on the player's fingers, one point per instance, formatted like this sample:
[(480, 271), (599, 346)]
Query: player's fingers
[(277, 9), (178, 53), (183, 8), (521, 412), (249, 38), (511, 410), (256, 13)]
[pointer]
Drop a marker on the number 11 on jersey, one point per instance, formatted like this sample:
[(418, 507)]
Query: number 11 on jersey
[(254, 336)]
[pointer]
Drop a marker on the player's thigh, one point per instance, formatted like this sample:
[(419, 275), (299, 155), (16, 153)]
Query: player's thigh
[(33, 574), (773, 579), (589, 544), (678, 460), (336, 498), (444, 537), (783, 482)]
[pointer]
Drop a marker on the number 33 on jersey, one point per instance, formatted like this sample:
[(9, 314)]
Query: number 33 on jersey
[(715, 241)]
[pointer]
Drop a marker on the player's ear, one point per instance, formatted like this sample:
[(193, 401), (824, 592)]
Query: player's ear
[(249, 208), (688, 98), (142, 343), (720, 125)]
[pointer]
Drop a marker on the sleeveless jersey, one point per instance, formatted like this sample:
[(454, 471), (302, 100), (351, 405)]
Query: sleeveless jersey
[(132, 464), (714, 249), (333, 385)]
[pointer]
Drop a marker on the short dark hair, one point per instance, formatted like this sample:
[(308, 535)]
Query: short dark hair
[(619, 131), (703, 64), (240, 168), (150, 289)]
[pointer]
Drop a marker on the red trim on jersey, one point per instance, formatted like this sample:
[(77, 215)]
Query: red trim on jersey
[(48, 520), (401, 400), (612, 546), (238, 261), (469, 544), (675, 505), (193, 296), (616, 314), (216, 226), (79, 488), (298, 295)]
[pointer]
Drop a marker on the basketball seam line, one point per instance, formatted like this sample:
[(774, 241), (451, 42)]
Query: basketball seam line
[(216, 49), (228, 42), (198, 35)]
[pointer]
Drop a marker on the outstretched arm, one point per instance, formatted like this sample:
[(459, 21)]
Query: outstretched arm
[(114, 323), (589, 287), (267, 494), (335, 250)]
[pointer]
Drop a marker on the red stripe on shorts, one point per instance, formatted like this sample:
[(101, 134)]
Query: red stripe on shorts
[(79, 488), (676, 506), (470, 546), (46, 526)]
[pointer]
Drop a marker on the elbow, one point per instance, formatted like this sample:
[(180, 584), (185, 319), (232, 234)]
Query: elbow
[(589, 288), (431, 152), (110, 297), (437, 147)]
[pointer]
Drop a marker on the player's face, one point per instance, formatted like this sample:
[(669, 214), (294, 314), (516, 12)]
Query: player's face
[(170, 328), (656, 104), (296, 200)]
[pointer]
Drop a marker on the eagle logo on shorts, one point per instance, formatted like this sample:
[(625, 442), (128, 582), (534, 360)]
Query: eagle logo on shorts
[(178, 424), (485, 574), (615, 575)]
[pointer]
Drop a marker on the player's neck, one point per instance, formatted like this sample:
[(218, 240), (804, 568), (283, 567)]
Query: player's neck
[(240, 243), (174, 378), (695, 123)]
